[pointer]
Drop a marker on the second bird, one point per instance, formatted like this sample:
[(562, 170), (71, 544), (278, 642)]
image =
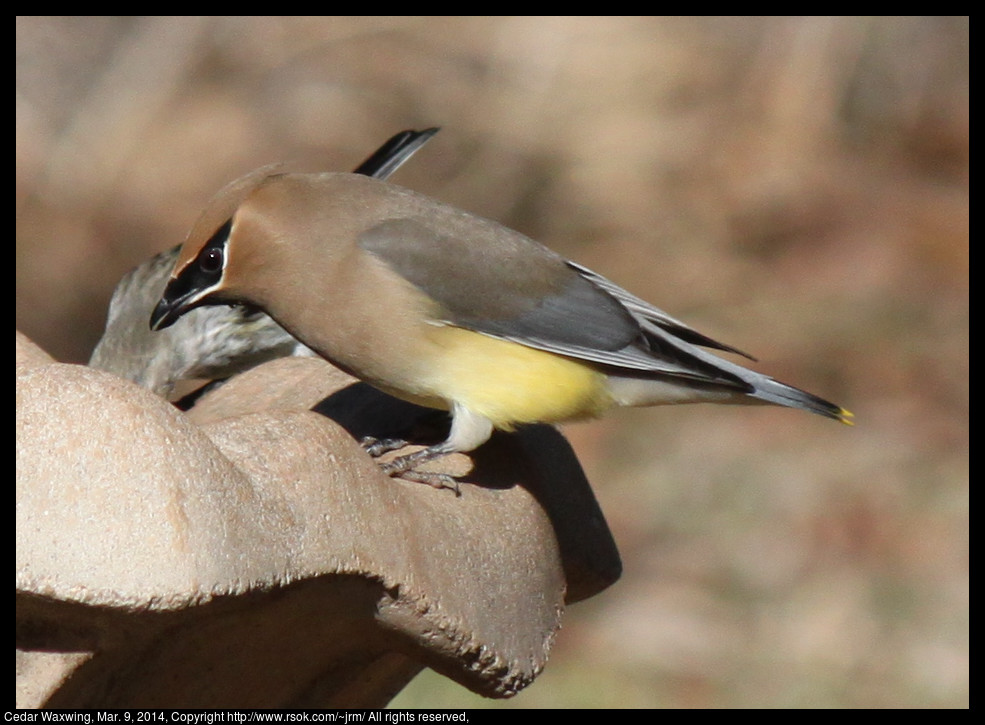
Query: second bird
[(213, 342), (447, 309)]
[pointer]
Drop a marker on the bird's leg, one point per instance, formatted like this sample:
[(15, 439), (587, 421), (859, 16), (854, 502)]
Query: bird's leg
[(468, 431)]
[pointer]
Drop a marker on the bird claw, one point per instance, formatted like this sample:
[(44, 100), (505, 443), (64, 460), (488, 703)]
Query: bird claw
[(431, 478), (376, 447), (403, 466)]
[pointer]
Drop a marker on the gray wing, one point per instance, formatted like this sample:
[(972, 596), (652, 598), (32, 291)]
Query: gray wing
[(493, 280), (650, 315)]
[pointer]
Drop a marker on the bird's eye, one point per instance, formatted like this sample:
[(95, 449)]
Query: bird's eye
[(211, 261)]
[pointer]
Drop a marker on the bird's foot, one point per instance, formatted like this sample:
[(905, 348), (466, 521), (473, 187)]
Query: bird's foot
[(431, 478), (405, 466), (376, 447)]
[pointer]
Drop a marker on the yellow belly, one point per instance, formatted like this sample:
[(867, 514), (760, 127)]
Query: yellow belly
[(509, 383)]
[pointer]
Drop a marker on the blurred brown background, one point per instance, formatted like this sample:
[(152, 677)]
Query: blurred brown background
[(796, 187)]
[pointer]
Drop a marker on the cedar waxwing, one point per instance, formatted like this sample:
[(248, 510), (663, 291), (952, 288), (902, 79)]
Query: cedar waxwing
[(211, 342), (448, 310)]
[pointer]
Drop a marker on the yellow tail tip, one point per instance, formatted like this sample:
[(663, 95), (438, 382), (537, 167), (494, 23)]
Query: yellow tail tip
[(846, 416)]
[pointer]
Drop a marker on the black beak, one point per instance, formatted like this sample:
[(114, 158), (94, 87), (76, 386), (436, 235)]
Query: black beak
[(166, 313), (180, 296)]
